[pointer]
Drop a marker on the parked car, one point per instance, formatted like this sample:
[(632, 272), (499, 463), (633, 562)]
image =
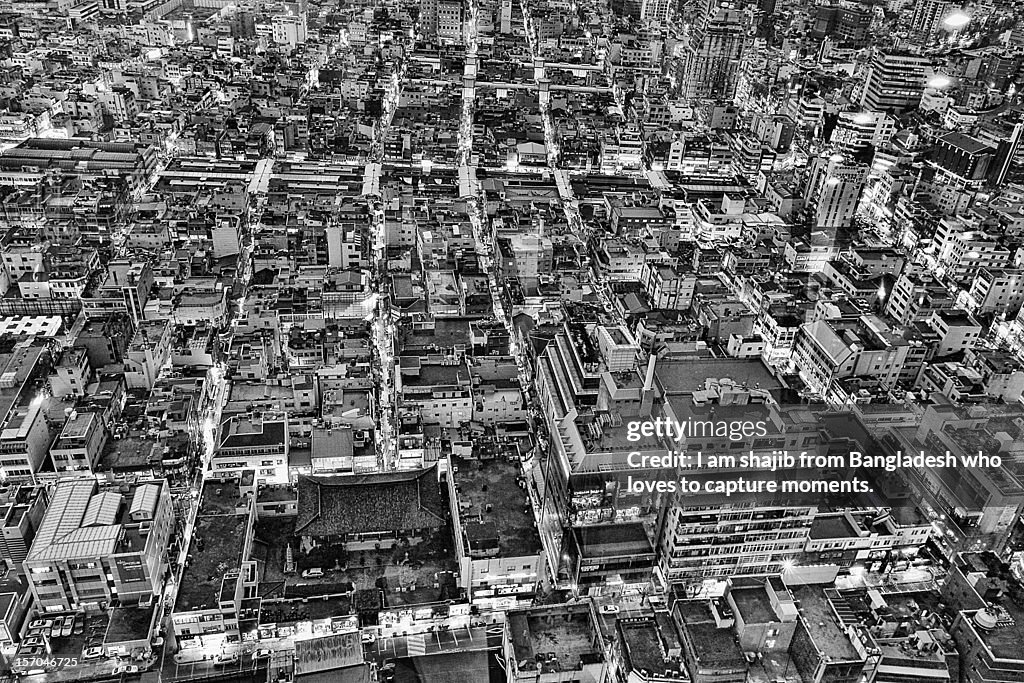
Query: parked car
[(314, 573), (262, 653), (40, 623), (94, 652), (34, 641), (225, 658), (79, 627), (31, 651), (69, 626), (122, 669), (609, 609), (58, 626)]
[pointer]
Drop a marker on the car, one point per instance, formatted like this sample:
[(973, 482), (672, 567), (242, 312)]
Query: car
[(79, 627), (225, 658), (32, 651), (124, 669), (40, 623), (94, 652), (609, 609), (69, 626), (314, 573), (262, 653), (34, 641), (58, 626), (367, 637)]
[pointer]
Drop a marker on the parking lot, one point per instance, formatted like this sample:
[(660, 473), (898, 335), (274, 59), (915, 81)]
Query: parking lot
[(62, 636), (55, 651)]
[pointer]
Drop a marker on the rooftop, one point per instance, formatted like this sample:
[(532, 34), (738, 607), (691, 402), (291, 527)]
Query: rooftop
[(647, 640), (613, 540), (491, 489), (820, 620), (554, 638), (242, 432), (334, 506), (85, 522), (837, 526), (129, 623), (216, 548), (715, 648), (753, 604)]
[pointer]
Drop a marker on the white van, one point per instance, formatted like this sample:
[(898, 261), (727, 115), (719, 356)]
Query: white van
[(314, 573)]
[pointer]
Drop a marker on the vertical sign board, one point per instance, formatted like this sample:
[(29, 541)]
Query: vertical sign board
[(329, 652)]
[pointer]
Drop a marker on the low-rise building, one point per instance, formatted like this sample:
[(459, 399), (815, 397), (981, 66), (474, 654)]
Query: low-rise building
[(553, 643), (499, 549), (257, 443)]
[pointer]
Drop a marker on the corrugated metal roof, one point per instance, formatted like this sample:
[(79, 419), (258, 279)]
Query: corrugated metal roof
[(102, 509), (144, 502)]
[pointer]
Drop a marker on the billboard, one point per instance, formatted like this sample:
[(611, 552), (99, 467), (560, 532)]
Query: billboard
[(130, 568), (329, 652)]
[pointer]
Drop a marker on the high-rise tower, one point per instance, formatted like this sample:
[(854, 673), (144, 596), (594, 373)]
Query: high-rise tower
[(710, 67), (895, 81)]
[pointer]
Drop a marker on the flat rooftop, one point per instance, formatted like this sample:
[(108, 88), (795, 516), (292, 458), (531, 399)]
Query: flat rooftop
[(820, 621), (832, 527), (215, 549), (715, 648), (554, 639), (494, 483), (644, 641), (613, 540), (753, 604), (680, 375), (129, 623)]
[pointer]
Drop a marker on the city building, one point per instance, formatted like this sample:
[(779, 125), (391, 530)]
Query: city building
[(98, 546)]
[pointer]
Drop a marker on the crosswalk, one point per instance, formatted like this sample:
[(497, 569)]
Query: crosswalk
[(417, 644)]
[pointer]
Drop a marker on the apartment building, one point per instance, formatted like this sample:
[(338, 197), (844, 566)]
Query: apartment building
[(149, 350), (667, 287), (79, 446), (442, 392), (716, 538), (21, 513), (253, 442), (957, 330), (996, 290), (825, 351), (895, 81), (984, 501)]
